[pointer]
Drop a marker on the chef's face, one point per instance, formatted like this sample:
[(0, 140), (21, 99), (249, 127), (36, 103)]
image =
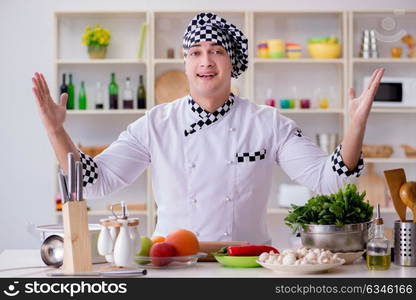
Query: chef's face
[(208, 68)]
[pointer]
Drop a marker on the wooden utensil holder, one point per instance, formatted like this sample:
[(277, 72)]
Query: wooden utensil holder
[(77, 247)]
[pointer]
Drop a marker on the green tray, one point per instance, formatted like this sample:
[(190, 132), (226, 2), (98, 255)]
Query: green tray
[(237, 261)]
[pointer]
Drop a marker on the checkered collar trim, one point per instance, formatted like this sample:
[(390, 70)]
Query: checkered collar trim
[(207, 118)]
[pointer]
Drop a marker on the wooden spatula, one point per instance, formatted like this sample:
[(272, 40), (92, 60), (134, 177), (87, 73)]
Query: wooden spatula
[(408, 196), (395, 179)]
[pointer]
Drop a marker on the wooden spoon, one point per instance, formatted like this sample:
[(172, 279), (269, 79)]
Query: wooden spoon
[(408, 196), (395, 179)]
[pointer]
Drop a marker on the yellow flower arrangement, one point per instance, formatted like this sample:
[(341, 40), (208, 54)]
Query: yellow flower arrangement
[(96, 36)]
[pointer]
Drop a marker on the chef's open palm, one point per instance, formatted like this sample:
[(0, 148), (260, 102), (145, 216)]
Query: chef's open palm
[(52, 114), (360, 107)]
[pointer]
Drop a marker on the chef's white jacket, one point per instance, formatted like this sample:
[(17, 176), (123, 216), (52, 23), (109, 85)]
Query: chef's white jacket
[(199, 183)]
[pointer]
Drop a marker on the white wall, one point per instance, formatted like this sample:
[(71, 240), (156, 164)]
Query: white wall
[(26, 158)]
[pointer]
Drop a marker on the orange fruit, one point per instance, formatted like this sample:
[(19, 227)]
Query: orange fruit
[(184, 241), (158, 239)]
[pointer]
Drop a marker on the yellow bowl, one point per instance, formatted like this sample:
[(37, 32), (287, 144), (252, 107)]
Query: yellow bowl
[(294, 55), (324, 50)]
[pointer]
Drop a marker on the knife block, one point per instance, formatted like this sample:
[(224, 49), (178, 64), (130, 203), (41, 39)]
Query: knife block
[(77, 247)]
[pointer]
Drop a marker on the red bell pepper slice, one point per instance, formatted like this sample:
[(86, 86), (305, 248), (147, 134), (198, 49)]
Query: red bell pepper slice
[(249, 250)]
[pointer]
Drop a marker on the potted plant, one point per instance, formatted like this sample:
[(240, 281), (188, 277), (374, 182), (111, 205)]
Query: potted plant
[(97, 40)]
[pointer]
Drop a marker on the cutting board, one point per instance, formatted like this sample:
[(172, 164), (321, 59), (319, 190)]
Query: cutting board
[(170, 86), (374, 186)]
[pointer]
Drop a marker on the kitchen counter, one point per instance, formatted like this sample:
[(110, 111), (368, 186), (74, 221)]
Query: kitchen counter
[(15, 263)]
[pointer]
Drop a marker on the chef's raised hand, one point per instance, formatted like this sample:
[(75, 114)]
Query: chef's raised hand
[(53, 117), (360, 107), (52, 114)]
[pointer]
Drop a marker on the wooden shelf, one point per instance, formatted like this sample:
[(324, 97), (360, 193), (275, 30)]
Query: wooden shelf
[(384, 60), (106, 61), (168, 61), (394, 110), (108, 213), (311, 111), (390, 160), (277, 210), (298, 61), (108, 112)]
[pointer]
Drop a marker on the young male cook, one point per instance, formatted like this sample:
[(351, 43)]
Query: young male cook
[(212, 153)]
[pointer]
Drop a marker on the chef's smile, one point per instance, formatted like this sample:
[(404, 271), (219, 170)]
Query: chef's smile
[(208, 68), (206, 76)]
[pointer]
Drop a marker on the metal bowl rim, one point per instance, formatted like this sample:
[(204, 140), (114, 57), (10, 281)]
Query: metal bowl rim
[(317, 228)]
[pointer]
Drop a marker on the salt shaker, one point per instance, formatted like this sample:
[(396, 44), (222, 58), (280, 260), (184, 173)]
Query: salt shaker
[(123, 254), (105, 241), (135, 235)]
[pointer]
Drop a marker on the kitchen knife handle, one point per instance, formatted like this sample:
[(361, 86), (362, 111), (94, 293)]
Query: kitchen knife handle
[(71, 176), (78, 168), (62, 187)]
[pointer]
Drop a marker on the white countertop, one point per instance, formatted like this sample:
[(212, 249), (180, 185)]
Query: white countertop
[(15, 263)]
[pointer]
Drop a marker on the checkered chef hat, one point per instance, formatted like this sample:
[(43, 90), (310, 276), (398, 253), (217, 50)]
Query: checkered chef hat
[(210, 27)]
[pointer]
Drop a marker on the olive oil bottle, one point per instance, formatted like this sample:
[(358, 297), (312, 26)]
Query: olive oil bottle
[(378, 248)]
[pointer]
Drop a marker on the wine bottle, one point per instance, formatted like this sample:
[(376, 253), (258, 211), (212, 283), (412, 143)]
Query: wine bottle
[(141, 94), (99, 96), (82, 98), (113, 92), (71, 94), (128, 101), (63, 87)]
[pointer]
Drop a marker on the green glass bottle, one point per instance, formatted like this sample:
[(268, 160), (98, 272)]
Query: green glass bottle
[(113, 92), (82, 98), (141, 94), (71, 94)]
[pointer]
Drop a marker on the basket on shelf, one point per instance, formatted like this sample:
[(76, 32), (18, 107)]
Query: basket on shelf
[(409, 151), (97, 52), (377, 151)]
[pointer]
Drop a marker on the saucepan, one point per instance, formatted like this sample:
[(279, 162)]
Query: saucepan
[(52, 248)]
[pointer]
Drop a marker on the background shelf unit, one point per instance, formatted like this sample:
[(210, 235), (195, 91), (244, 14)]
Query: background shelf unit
[(165, 30), (384, 123)]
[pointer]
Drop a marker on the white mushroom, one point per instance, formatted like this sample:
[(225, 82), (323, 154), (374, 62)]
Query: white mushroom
[(324, 258), (317, 251), (289, 259), (335, 259), (264, 256), (310, 256), (280, 259), (301, 252), (288, 251), (271, 259)]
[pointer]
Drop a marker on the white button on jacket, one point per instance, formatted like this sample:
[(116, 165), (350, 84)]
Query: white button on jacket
[(232, 158)]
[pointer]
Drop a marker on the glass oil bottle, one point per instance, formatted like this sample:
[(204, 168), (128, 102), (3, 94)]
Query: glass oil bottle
[(378, 248)]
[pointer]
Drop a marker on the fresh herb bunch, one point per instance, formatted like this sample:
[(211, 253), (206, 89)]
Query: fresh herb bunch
[(347, 206)]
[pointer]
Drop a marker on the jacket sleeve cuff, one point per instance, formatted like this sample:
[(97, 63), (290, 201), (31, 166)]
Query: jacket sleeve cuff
[(89, 169), (339, 167)]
